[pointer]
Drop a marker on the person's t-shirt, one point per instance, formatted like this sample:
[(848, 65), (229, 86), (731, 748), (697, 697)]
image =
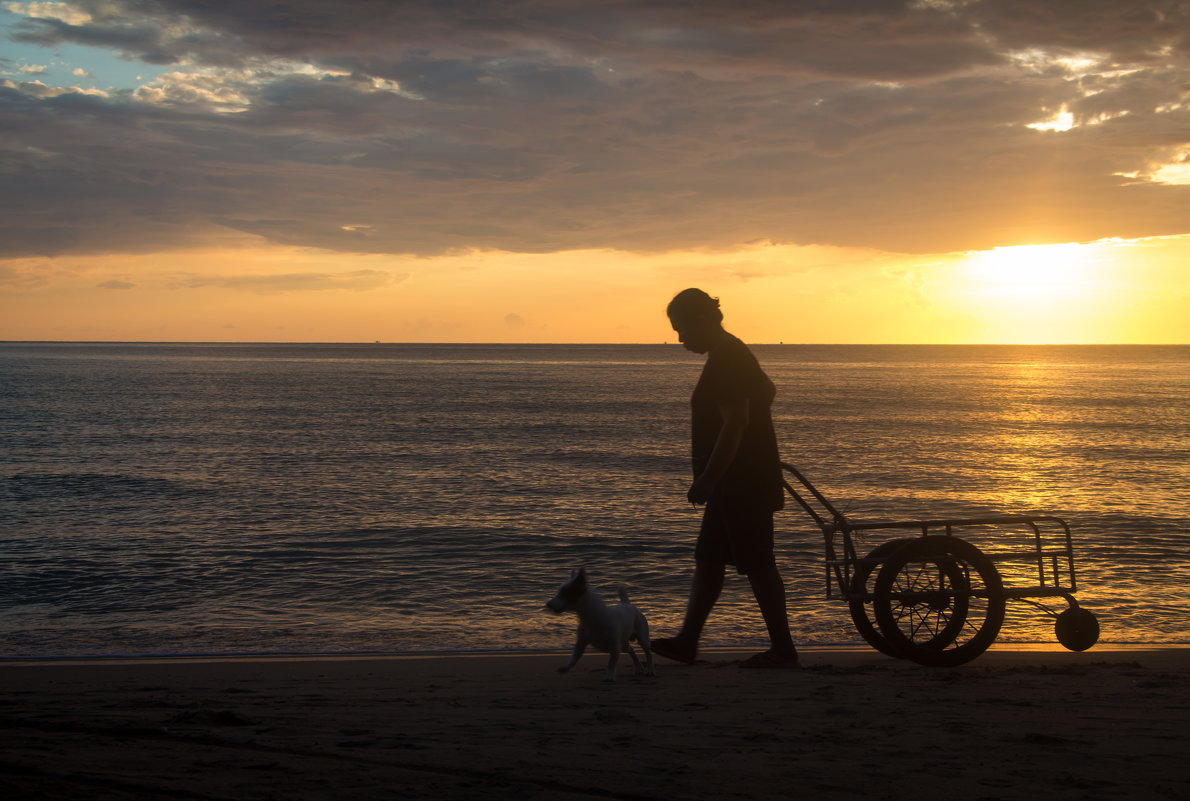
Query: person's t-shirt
[(731, 372)]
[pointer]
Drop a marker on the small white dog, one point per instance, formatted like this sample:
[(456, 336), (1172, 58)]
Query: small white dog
[(607, 628)]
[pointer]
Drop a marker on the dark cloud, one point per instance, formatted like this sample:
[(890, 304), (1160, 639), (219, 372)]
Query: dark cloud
[(1135, 31), (402, 127)]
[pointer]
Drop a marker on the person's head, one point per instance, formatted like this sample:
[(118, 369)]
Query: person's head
[(696, 317)]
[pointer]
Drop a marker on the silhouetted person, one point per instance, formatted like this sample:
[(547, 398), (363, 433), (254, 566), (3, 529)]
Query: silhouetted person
[(737, 474)]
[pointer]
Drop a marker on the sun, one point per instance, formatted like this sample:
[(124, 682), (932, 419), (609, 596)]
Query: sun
[(1039, 272), (1038, 293)]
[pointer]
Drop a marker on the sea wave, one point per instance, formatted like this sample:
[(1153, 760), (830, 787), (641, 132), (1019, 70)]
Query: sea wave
[(177, 499)]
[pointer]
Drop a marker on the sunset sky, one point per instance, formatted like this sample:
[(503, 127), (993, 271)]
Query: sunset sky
[(555, 170)]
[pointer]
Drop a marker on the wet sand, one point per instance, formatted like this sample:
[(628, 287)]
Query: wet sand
[(1013, 724)]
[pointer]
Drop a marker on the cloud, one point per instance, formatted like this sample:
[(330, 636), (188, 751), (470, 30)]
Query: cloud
[(214, 91), (514, 321), (1171, 167), (25, 274), (69, 13), (356, 280), (39, 89), (116, 283), (421, 128)]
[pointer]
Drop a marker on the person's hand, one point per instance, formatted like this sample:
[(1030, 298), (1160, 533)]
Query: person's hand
[(700, 491)]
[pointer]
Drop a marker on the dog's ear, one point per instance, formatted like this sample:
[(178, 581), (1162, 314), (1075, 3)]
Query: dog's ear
[(580, 579)]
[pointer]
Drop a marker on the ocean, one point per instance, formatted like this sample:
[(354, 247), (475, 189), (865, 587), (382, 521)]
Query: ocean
[(195, 499)]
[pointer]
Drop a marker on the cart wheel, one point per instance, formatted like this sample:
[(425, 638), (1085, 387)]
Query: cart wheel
[(861, 586), (1077, 629), (939, 601)]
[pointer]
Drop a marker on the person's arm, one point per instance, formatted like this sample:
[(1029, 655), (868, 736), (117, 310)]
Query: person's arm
[(735, 419)]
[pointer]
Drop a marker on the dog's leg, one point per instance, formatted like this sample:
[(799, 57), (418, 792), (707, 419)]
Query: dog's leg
[(642, 636), (613, 656), (580, 645), (636, 666)]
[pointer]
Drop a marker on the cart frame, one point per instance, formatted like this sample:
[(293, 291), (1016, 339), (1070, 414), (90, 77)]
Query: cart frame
[(934, 597)]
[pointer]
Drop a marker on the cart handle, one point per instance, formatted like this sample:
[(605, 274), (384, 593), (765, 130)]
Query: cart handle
[(838, 522)]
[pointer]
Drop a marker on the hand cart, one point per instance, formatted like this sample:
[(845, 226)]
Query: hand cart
[(937, 599)]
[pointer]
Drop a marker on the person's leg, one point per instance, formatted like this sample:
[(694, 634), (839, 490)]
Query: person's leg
[(711, 554), (770, 596), (704, 592), (753, 544)]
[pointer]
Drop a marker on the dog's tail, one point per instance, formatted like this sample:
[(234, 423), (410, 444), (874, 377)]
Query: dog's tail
[(623, 593)]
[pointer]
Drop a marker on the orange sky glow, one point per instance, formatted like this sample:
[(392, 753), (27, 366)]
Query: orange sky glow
[(945, 172)]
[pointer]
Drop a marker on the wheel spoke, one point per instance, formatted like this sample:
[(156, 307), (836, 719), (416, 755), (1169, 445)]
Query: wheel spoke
[(861, 604), (939, 600)]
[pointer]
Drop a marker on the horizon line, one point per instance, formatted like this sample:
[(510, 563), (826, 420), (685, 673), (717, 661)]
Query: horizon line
[(572, 344)]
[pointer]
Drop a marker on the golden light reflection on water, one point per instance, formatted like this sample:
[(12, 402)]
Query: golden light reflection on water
[(1044, 430), (1028, 427), (407, 498)]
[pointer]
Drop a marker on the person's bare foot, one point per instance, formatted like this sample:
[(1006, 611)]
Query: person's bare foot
[(675, 649)]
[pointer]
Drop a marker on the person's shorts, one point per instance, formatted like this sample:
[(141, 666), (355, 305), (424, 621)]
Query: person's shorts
[(735, 534)]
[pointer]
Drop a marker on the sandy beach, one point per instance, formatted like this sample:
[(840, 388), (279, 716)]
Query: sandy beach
[(1014, 724)]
